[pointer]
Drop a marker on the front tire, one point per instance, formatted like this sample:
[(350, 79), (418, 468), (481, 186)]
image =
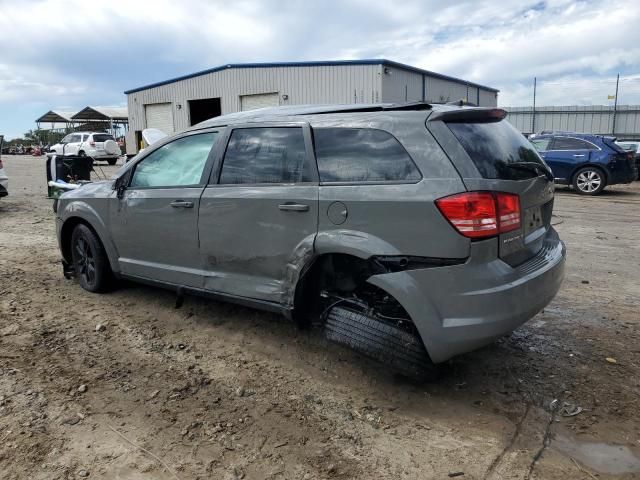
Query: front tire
[(589, 181), (90, 261)]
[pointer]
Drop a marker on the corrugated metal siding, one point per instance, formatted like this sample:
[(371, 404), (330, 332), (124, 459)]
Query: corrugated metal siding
[(488, 99), (303, 85), (401, 85), (596, 119)]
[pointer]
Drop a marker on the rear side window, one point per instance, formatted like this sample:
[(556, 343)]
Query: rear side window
[(266, 155), (493, 146), (101, 137), (362, 155), (569, 143)]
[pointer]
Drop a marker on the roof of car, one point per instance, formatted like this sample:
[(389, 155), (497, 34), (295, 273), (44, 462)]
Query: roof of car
[(570, 134), (275, 113)]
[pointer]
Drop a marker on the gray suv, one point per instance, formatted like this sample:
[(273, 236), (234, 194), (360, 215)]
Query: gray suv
[(411, 233)]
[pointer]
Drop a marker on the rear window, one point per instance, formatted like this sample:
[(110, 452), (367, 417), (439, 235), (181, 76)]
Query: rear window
[(101, 137), (362, 155), (493, 146), (611, 143)]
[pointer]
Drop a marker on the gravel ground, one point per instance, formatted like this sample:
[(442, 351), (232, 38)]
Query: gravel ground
[(124, 385)]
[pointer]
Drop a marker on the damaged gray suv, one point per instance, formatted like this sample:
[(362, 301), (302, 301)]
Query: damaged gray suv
[(411, 232)]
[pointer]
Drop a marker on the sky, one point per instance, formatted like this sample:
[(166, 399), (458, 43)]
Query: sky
[(67, 54)]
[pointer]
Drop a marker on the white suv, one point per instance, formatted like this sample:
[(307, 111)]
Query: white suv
[(100, 146)]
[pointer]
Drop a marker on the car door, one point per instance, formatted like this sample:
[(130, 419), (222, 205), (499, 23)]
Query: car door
[(565, 154), (73, 146), (154, 223), (259, 213)]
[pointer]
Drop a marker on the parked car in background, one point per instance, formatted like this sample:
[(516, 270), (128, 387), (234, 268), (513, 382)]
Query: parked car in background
[(4, 180), (632, 146), (412, 232), (587, 162), (100, 146)]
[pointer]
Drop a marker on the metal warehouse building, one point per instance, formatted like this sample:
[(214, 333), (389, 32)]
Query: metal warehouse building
[(176, 104)]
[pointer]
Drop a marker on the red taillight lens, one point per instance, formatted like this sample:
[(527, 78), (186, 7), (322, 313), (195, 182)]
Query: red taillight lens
[(93, 144), (481, 214), (508, 211)]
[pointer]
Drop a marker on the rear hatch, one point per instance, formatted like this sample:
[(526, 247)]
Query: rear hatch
[(98, 141), (492, 156)]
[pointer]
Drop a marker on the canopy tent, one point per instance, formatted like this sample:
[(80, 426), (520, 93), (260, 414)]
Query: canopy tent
[(111, 114), (112, 119), (56, 116)]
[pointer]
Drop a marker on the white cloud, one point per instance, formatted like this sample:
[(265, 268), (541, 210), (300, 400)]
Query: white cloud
[(77, 52)]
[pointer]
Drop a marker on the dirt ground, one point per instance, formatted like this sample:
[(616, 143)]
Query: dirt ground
[(218, 391)]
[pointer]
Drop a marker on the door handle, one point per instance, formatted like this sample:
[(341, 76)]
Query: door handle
[(181, 204), (581, 155), (294, 207)]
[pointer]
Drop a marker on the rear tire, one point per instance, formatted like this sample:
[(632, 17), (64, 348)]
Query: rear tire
[(112, 161), (589, 181), (90, 261), (402, 351)]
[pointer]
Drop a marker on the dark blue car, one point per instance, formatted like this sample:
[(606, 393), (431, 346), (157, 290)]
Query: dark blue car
[(587, 162)]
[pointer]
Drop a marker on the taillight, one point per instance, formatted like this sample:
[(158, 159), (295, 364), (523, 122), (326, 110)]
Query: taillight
[(93, 144), (481, 214)]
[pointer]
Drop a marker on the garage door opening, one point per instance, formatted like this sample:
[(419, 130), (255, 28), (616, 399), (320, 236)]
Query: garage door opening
[(160, 116), (260, 100), (204, 109)]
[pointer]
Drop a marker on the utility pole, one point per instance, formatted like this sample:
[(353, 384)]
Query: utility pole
[(615, 107), (533, 116)]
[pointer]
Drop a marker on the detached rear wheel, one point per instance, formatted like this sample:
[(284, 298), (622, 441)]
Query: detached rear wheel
[(589, 181), (90, 261), (404, 352)]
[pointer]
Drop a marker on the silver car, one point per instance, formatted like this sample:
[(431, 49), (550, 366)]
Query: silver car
[(412, 232)]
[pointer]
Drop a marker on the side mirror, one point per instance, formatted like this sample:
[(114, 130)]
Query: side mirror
[(121, 185)]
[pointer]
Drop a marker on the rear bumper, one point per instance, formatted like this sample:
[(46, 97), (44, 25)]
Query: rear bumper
[(625, 173), (460, 308)]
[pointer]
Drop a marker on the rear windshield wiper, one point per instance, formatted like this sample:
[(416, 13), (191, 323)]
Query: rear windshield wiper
[(531, 167)]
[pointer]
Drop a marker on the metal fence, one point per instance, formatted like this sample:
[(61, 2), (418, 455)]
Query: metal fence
[(570, 105)]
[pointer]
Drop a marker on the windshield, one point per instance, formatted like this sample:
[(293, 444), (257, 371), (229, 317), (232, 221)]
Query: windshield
[(493, 146)]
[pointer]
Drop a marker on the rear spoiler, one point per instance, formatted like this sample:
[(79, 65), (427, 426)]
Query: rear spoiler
[(469, 115)]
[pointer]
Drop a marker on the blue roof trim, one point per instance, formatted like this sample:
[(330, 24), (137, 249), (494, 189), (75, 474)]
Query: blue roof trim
[(322, 63)]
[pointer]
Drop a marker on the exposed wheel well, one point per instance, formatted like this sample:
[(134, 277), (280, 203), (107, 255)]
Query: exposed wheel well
[(343, 277)]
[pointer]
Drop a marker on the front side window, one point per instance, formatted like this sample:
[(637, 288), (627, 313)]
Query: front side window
[(541, 144), (74, 139), (568, 143), (179, 163), (266, 155), (362, 155)]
